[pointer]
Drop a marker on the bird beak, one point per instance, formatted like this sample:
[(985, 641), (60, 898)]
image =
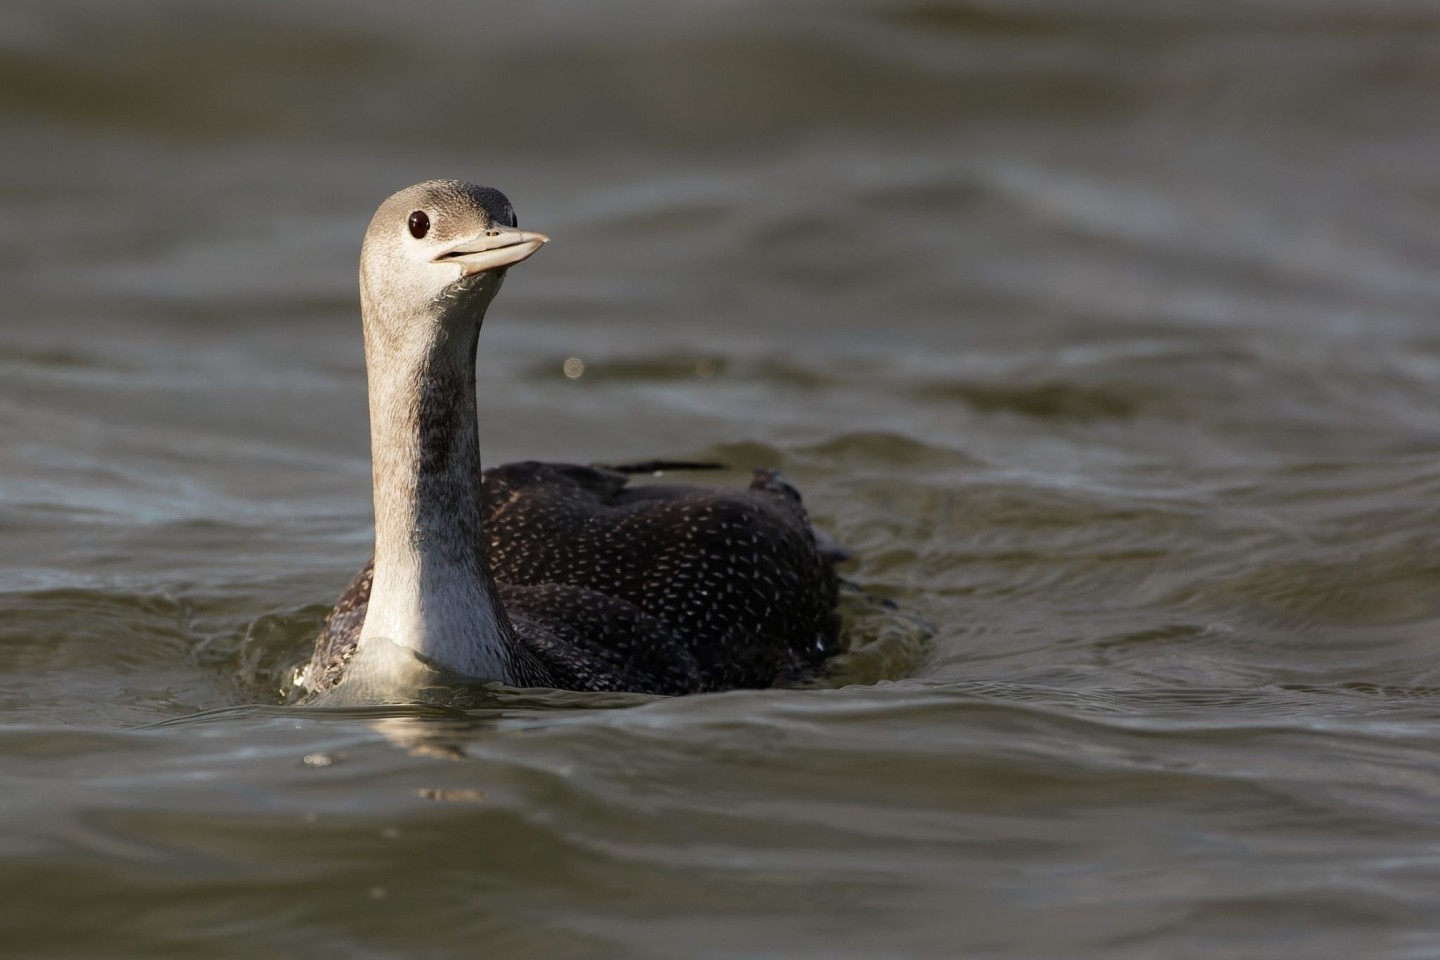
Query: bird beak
[(495, 248)]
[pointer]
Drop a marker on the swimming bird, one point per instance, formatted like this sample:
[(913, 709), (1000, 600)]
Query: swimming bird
[(545, 574)]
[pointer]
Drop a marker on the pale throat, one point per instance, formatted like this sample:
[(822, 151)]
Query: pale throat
[(432, 589)]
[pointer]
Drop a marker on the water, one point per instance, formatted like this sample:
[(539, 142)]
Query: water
[(1105, 333)]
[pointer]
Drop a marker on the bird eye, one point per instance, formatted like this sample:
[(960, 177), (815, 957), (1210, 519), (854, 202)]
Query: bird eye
[(419, 224)]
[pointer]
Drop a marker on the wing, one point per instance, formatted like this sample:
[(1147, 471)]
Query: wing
[(738, 573), (589, 641)]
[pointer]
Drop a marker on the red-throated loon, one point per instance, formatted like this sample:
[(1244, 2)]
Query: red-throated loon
[(541, 574)]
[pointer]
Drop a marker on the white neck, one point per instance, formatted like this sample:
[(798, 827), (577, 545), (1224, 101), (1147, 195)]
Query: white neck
[(432, 591)]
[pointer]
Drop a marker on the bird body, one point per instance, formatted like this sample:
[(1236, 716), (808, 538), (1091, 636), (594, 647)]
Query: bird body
[(542, 574)]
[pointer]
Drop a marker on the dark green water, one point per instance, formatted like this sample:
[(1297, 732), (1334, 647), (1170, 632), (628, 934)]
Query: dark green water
[(1108, 334)]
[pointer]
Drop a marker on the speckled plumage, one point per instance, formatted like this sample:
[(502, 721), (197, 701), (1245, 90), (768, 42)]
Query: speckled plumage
[(656, 589), (568, 576)]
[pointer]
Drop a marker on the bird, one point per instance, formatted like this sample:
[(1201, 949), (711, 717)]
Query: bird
[(539, 574)]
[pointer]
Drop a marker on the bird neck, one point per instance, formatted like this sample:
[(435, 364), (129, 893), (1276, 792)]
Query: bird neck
[(432, 589)]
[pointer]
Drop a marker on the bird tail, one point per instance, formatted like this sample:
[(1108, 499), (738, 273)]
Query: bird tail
[(659, 466)]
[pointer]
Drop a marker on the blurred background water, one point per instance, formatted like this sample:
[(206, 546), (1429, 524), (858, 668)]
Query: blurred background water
[(1105, 333)]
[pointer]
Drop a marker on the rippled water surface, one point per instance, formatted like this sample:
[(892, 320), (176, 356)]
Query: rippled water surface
[(1107, 334)]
